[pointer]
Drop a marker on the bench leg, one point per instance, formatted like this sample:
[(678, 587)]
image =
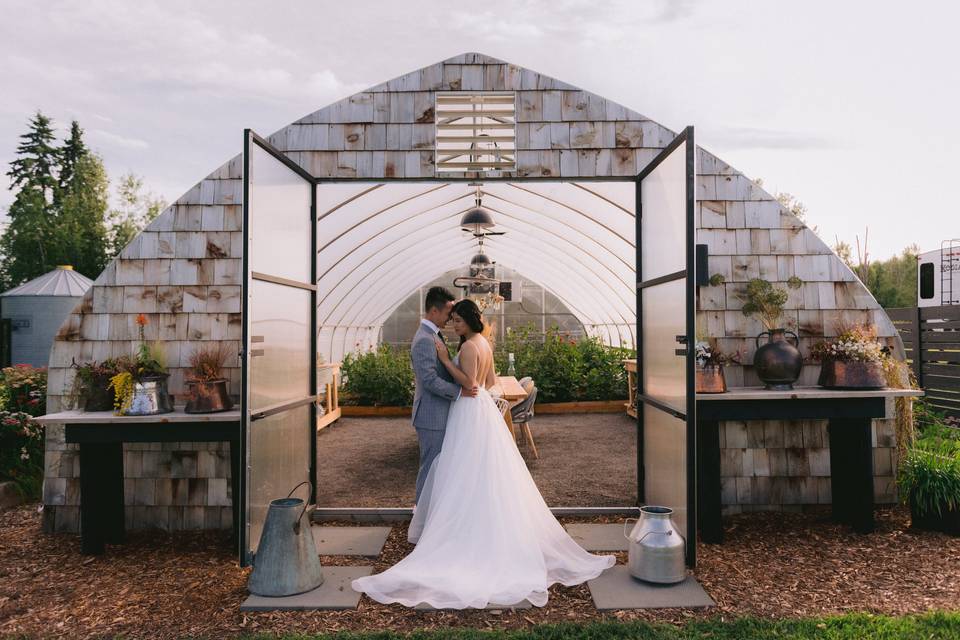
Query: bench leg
[(709, 507), (101, 496), (851, 473)]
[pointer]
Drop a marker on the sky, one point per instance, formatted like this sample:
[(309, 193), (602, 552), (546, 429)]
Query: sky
[(850, 106)]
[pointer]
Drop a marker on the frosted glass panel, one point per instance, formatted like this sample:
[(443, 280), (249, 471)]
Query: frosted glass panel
[(280, 328), (279, 450), (663, 193), (664, 318), (280, 225), (665, 462)]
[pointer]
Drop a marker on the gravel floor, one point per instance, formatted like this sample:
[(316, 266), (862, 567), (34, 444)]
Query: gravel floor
[(189, 585), (585, 460)]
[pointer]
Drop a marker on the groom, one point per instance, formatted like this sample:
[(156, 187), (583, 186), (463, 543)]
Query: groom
[(435, 387)]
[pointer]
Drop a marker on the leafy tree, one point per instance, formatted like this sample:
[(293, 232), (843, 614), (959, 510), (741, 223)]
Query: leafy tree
[(135, 211), (82, 227), (893, 282)]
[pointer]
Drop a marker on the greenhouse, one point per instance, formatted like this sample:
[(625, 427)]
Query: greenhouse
[(296, 252)]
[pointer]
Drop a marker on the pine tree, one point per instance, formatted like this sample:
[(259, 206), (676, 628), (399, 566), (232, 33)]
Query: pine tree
[(26, 242), (37, 158), (70, 154)]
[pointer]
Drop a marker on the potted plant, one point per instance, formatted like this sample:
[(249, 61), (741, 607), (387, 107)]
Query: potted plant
[(709, 372), (207, 386), (929, 482), (91, 384), (853, 360), (778, 362), (141, 389)]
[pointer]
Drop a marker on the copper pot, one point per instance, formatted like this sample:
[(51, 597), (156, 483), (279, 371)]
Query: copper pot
[(209, 396), (710, 379), (835, 374)]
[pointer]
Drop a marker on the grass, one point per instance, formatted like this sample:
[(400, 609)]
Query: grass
[(851, 626)]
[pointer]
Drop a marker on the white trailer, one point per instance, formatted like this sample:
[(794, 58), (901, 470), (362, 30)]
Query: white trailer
[(938, 275)]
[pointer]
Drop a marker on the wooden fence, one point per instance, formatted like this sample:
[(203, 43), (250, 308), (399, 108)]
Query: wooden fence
[(931, 338)]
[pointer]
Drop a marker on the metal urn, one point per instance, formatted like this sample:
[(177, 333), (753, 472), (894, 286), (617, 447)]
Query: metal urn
[(150, 397), (657, 550), (778, 363), (286, 562)]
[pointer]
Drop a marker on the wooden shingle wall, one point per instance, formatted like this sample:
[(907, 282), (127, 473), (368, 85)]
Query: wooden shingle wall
[(184, 270)]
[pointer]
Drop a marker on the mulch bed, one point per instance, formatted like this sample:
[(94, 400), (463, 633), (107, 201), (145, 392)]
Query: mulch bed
[(188, 584), (585, 460)]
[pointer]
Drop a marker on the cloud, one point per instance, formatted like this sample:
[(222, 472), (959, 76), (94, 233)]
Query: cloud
[(116, 140), (743, 138)]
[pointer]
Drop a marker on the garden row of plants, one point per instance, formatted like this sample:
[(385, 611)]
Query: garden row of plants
[(23, 395), (929, 474), (564, 369)]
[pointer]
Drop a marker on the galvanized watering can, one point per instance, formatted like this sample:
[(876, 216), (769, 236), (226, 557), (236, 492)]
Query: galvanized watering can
[(286, 562), (657, 549)]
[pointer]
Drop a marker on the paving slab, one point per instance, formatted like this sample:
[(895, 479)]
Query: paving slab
[(350, 541), (490, 607), (335, 594), (599, 537), (615, 588)]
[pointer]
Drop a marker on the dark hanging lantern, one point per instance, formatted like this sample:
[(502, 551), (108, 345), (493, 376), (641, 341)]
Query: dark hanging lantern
[(480, 261)]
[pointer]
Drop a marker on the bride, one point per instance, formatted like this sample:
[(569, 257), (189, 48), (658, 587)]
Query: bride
[(484, 533)]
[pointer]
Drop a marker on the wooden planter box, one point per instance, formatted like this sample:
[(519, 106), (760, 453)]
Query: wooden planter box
[(946, 522)]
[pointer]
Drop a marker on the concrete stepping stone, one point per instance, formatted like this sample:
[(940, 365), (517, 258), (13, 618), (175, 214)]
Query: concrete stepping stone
[(335, 594), (615, 588), (599, 537), (350, 541)]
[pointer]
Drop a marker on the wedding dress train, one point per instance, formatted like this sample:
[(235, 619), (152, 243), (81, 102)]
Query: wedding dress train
[(484, 533)]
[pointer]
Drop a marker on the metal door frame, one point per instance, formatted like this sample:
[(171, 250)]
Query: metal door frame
[(689, 350), (250, 137)]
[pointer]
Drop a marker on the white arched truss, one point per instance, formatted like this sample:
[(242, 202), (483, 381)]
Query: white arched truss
[(377, 242)]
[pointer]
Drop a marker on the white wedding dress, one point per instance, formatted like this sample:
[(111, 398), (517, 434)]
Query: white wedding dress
[(484, 533)]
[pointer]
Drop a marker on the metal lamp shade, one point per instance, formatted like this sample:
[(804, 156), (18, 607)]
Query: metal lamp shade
[(480, 261), (477, 219)]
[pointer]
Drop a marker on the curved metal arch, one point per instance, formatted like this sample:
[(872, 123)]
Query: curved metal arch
[(410, 283), (356, 247), (599, 301), (574, 228), (588, 260), (556, 282), (448, 217), (381, 211), (571, 208)]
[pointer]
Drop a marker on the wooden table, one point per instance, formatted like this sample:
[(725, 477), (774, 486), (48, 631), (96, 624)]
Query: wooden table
[(514, 394), (101, 434), (631, 405), (849, 414)]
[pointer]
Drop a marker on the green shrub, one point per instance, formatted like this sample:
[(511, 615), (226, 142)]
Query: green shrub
[(24, 388), (21, 451), (383, 377), (564, 369), (23, 395), (929, 477)]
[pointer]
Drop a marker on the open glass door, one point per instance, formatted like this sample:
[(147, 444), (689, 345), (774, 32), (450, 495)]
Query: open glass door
[(279, 338), (666, 315)]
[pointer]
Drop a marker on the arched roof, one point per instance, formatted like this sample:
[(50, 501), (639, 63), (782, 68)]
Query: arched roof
[(381, 241)]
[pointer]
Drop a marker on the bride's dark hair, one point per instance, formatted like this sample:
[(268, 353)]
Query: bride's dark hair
[(470, 312)]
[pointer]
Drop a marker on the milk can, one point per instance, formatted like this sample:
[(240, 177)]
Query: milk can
[(287, 562), (656, 551)]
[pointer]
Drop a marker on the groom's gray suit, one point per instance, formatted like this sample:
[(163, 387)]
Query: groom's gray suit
[(431, 401)]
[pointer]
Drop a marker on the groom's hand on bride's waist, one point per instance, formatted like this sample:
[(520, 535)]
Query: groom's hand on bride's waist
[(469, 392)]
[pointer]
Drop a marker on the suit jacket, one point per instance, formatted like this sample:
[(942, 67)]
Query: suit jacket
[(435, 387)]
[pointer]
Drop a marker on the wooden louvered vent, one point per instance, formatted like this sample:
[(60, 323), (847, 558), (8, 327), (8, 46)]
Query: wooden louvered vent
[(476, 131)]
